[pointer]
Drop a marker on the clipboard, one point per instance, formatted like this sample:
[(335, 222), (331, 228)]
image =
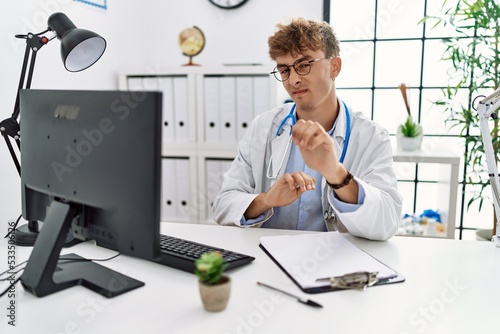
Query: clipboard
[(326, 261)]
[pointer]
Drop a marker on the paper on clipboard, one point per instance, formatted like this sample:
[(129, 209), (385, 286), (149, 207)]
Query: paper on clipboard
[(308, 257)]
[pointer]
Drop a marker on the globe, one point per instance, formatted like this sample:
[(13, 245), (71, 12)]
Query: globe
[(191, 42)]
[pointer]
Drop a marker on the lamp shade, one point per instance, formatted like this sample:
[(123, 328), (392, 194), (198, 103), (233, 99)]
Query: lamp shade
[(80, 48)]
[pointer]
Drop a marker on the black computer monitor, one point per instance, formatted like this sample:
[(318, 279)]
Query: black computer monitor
[(95, 157)]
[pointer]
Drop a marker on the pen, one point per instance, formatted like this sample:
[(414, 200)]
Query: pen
[(303, 301)]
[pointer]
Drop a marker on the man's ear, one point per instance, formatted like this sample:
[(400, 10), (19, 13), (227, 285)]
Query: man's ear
[(336, 64)]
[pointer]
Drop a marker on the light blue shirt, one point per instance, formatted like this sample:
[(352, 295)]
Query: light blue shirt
[(307, 210)]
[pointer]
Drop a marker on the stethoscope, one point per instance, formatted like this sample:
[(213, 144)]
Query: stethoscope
[(293, 120)]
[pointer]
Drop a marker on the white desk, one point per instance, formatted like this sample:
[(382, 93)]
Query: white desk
[(438, 296)]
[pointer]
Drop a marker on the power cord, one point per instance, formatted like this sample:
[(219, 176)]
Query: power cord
[(86, 260), (13, 228), (11, 274), (474, 105)]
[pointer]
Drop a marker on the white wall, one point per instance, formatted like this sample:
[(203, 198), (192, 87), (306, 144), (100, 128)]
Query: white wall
[(141, 35)]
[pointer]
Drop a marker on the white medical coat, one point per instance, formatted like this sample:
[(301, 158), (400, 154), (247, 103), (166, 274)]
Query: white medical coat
[(368, 158)]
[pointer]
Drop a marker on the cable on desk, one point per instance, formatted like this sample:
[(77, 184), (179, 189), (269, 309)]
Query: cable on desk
[(14, 227), (11, 272), (9, 278), (8, 270), (85, 260)]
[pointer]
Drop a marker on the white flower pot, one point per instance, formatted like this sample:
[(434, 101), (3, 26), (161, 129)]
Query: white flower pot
[(409, 143)]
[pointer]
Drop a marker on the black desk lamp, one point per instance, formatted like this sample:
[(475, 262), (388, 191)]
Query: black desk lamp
[(80, 49)]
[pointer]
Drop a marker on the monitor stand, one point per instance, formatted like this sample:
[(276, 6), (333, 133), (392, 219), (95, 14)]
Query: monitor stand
[(47, 272), (25, 235)]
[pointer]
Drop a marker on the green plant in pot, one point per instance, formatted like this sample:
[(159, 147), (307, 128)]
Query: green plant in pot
[(410, 129), (474, 62), (409, 135), (214, 285)]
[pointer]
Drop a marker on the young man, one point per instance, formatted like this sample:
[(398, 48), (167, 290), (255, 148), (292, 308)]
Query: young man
[(313, 164)]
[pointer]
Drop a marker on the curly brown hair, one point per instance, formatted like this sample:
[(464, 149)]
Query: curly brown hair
[(301, 35)]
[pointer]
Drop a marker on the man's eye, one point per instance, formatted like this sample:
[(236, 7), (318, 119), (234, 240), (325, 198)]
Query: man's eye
[(283, 70), (303, 65)]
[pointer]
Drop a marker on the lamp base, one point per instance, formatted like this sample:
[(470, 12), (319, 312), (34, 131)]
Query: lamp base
[(25, 235)]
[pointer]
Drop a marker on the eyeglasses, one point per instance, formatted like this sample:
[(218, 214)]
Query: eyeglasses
[(301, 66)]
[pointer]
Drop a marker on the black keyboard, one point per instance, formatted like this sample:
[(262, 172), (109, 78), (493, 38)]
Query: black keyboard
[(181, 254)]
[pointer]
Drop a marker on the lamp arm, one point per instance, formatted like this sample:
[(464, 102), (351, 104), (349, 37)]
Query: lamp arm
[(11, 149), (34, 42), (10, 126), (486, 110)]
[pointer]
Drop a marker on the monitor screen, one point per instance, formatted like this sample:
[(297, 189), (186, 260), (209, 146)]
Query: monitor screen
[(95, 158)]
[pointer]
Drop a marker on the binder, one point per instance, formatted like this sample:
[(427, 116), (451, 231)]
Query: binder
[(213, 184), (227, 112), (181, 108), (184, 209), (168, 190), (261, 95), (244, 104), (212, 107), (317, 262), (165, 85), (214, 169)]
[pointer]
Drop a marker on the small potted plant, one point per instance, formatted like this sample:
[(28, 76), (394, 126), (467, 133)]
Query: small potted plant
[(409, 135), (214, 285)]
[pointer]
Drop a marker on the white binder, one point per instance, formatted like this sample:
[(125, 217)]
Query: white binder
[(227, 112), (181, 108), (165, 85), (213, 183), (183, 201), (261, 95), (244, 104), (212, 109), (215, 170), (168, 190)]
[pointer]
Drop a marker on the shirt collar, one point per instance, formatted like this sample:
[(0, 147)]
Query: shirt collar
[(339, 126)]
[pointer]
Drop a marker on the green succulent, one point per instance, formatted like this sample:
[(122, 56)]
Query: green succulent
[(209, 267), (410, 128)]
